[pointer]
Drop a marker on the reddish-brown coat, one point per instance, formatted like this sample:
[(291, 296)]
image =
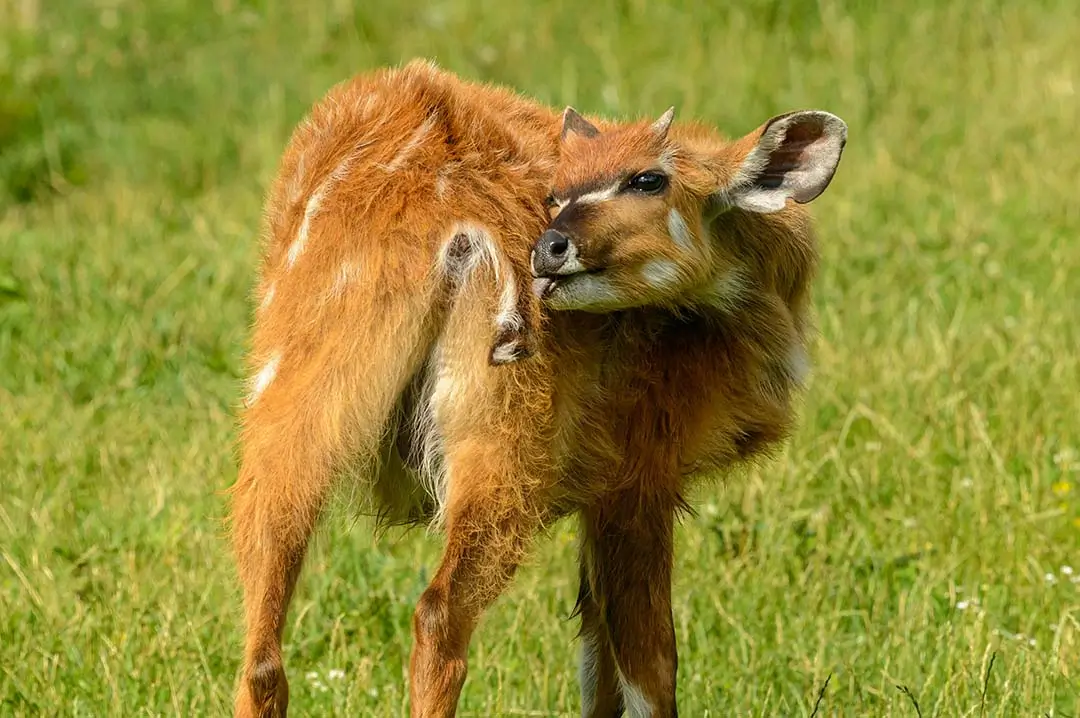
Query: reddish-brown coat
[(371, 357)]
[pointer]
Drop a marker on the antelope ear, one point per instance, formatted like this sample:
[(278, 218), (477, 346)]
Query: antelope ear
[(790, 156), (574, 122), (661, 126)]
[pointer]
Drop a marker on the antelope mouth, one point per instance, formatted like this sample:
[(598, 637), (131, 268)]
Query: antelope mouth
[(543, 287)]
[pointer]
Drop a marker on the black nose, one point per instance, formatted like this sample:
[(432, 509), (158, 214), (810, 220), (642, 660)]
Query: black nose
[(550, 252)]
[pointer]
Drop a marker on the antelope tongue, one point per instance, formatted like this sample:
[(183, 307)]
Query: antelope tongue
[(543, 286)]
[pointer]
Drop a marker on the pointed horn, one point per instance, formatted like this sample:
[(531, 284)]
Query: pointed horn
[(661, 126)]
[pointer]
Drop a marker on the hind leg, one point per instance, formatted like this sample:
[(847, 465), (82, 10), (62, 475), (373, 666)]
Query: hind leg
[(489, 522), (316, 413), (276, 502)]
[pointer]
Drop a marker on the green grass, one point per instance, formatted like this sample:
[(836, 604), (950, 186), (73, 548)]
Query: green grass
[(905, 537)]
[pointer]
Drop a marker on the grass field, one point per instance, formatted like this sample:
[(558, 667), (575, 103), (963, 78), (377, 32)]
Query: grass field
[(918, 532)]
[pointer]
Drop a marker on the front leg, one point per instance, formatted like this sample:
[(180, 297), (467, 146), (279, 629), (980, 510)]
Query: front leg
[(600, 693), (629, 548)]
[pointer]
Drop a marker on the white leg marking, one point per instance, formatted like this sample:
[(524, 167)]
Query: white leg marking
[(264, 378), (661, 273), (268, 297), (634, 701), (415, 139), (481, 249), (508, 317), (588, 673), (679, 231), (505, 353), (442, 389)]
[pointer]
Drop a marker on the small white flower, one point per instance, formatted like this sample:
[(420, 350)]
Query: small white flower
[(335, 674), (1032, 642), (967, 482), (1067, 570), (312, 676), (962, 605), (1050, 578)]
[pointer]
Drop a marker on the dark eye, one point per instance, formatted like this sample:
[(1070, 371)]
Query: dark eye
[(649, 182)]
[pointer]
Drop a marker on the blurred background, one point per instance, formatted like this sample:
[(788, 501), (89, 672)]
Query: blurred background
[(921, 530)]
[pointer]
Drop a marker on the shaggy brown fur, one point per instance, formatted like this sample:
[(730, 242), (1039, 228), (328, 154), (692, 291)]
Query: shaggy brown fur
[(398, 338)]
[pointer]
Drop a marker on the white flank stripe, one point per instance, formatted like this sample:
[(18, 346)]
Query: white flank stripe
[(347, 273), (302, 236), (417, 137), (268, 297), (264, 378), (312, 208)]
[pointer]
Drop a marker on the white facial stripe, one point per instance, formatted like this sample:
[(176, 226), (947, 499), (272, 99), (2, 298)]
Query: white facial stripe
[(599, 195), (667, 161), (679, 230)]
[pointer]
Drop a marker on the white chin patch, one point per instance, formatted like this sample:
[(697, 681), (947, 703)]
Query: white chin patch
[(586, 292)]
